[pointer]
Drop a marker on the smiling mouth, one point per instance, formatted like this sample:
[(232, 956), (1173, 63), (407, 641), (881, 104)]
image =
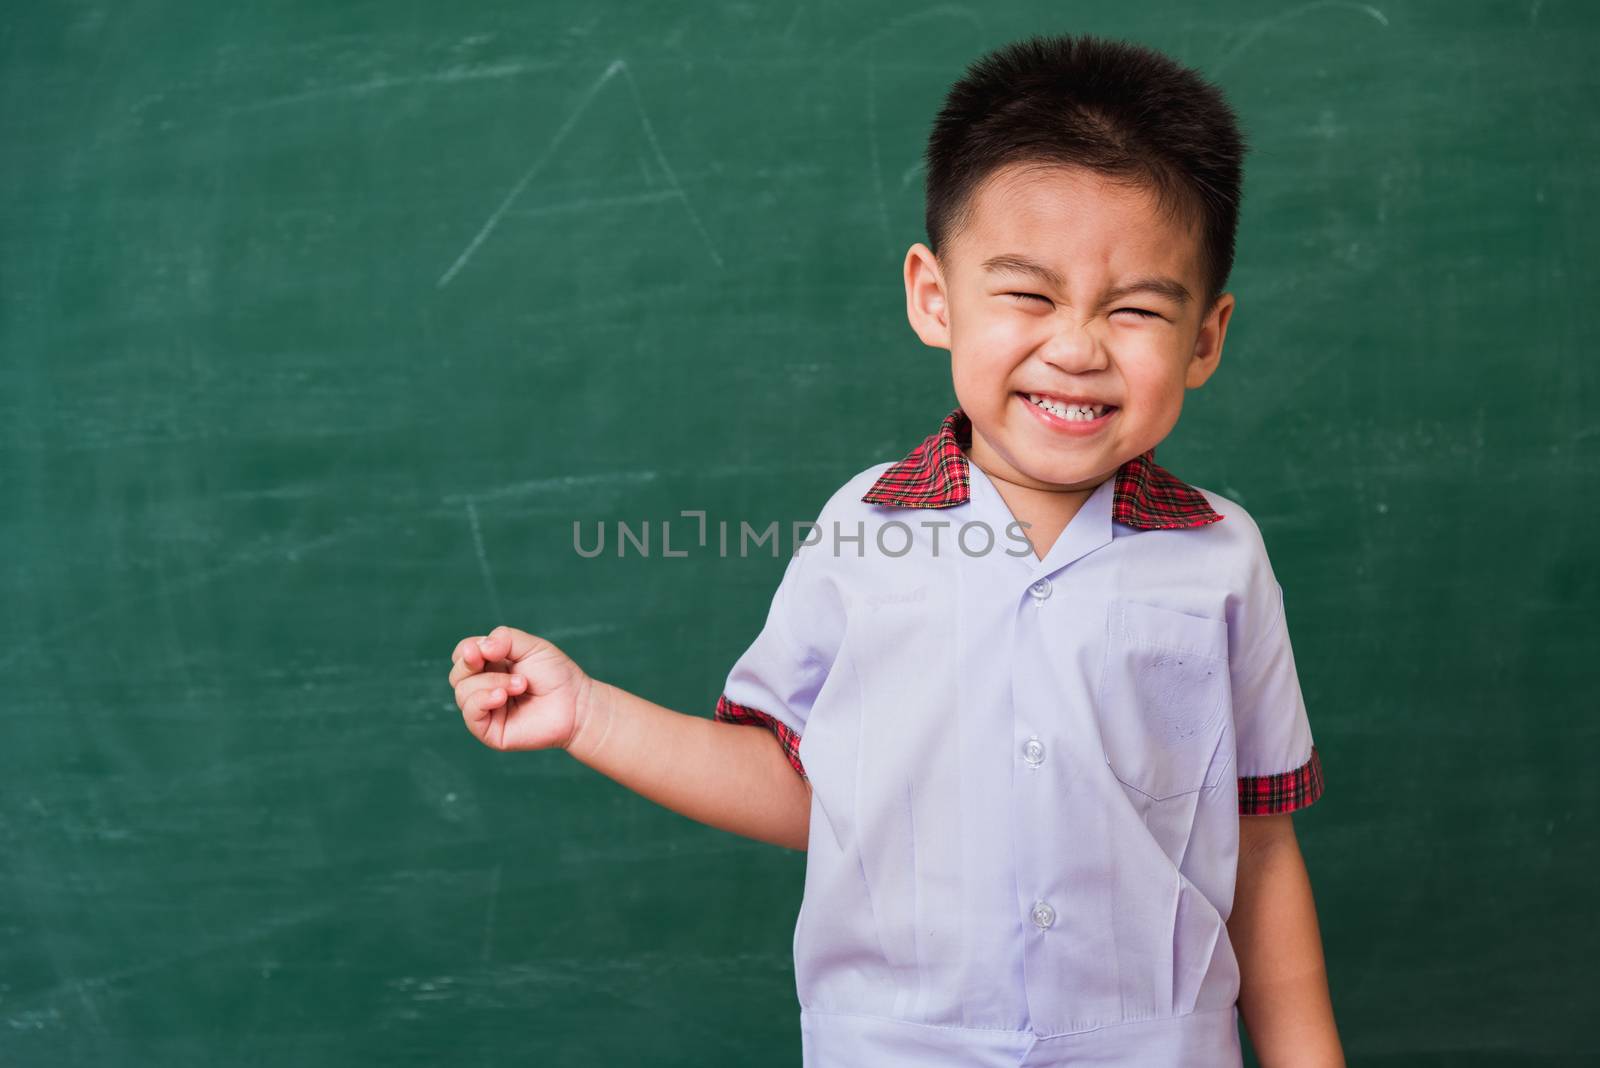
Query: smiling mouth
[(1072, 412)]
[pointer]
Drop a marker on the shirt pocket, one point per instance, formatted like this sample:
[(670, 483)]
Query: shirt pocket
[(1164, 698)]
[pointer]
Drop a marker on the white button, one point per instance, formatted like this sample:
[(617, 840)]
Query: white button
[(1033, 751), (1043, 915), (1040, 589)]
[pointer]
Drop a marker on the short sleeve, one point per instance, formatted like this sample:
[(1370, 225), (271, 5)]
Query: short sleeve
[(774, 683), (1278, 766)]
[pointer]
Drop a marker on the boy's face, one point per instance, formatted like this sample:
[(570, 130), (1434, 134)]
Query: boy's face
[(1067, 328)]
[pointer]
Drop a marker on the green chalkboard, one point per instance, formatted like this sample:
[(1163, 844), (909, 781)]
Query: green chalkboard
[(321, 323)]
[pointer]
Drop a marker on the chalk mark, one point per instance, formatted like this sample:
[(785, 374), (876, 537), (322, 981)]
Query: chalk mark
[(1254, 32), (585, 203), (82, 984), (794, 20), (936, 12), (382, 83), (615, 67), (872, 141), (661, 158), (483, 560), (825, 77), (910, 173), (40, 639), (488, 923), (553, 485)]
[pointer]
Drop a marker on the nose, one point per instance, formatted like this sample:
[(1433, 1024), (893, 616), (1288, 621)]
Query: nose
[(1074, 349)]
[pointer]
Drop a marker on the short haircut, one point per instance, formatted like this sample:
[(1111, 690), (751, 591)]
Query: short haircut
[(1118, 109)]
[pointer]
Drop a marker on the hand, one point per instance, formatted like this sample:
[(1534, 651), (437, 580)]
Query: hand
[(518, 691)]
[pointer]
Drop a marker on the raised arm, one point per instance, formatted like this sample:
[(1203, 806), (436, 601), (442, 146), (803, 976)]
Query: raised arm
[(732, 776), (518, 691)]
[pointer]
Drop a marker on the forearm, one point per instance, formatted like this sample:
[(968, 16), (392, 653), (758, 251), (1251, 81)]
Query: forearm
[(1283, 979), (732, 776)]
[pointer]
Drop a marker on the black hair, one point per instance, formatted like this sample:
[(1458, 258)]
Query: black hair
[(1121, 110)]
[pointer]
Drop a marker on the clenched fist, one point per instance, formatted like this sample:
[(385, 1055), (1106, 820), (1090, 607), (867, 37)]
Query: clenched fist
[(517, 691)]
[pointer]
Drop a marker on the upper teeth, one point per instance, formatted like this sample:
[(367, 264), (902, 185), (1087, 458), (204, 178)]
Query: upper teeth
[(1069, 411)]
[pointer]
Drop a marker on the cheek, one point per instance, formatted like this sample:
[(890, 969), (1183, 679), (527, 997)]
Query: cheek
[(1156, 381), (1009, 328), (995, 342), (987, 346)]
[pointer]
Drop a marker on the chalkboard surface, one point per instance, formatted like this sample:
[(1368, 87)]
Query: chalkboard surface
[(322, 323)]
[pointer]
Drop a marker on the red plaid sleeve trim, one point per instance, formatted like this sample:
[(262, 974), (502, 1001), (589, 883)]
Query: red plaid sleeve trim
[(935, 475), (732, 712), (1265, 795)]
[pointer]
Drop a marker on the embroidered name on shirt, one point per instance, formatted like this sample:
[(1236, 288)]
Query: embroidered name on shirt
[(878, 600)]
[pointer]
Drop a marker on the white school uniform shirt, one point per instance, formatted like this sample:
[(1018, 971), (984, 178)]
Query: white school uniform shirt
[(1027, 775)]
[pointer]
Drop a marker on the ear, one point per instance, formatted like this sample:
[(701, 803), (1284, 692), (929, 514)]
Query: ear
[(1208, 345), (927, 302)]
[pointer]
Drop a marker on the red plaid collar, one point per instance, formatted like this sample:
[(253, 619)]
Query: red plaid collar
[(935, 475)]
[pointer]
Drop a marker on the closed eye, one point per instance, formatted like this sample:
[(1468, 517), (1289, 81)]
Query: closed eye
[(1140, 312)]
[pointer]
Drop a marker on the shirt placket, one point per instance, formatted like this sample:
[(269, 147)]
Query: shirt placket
[(1038, 752), (1041, 755)]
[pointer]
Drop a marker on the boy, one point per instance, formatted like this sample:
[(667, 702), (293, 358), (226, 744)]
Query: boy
[(1028, 699)]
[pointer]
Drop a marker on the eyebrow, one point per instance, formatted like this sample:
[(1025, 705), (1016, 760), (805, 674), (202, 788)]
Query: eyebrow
[(1161, 285)]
